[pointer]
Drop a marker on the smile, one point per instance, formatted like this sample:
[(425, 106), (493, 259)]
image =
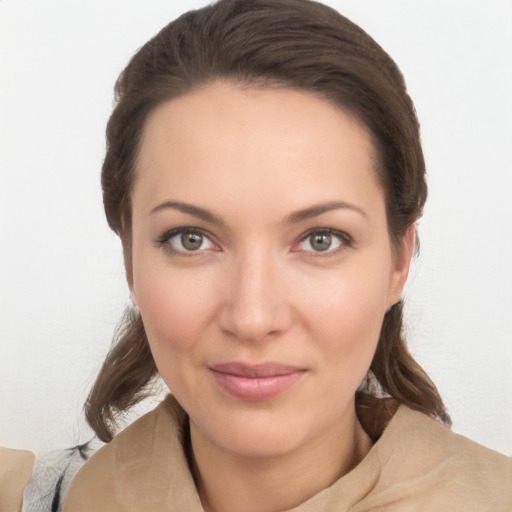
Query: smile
[(255, 383)]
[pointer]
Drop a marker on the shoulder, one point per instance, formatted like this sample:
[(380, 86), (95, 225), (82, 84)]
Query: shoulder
[(433, 441), (136, 468), (121, 455), (15, 470), (422, 460)]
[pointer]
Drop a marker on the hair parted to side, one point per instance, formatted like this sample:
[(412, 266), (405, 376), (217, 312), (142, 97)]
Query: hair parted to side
[(297, 44)]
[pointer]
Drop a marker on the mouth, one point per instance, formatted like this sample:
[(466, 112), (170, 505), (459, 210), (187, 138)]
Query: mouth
[(255, 382)]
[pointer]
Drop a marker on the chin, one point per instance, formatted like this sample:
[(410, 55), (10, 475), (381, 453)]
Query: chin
[(258, 430), (261, 441)]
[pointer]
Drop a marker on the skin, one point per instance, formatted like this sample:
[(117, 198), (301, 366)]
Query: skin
[(257, 291)]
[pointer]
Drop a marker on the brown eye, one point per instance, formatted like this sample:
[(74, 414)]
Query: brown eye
[(191, 241)]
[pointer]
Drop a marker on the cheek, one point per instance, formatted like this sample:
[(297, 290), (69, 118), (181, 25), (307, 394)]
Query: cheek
[(346, 316), (174, 305), (176, 308), (352, 322)]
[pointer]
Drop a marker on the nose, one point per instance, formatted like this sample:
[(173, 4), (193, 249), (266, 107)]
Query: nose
[(256, 304)]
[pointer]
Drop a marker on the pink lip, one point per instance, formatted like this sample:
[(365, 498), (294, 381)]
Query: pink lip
[(255, 382)]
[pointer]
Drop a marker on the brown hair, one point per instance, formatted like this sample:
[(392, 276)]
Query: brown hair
[(298, 44)]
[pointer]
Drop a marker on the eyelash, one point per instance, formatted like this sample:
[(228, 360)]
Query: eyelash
[(168, 235), (345, 239)]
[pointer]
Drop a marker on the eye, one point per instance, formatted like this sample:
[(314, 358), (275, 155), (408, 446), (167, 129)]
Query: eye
[(324, 240), (186, 240)]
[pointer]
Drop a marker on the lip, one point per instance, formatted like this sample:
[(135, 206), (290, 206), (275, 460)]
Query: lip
[(255, 382)]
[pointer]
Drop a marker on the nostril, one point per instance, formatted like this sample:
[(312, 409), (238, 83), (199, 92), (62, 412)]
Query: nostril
[(254, 325), (255, 305)]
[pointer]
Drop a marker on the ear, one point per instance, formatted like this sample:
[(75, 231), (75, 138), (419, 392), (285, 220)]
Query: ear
[(133, 298), (129, 276), (128, 265), (129, 279), (401, 265)]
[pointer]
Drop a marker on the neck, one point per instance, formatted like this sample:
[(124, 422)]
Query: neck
[(235, 483)]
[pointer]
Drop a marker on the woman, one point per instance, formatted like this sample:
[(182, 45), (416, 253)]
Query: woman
[(264, 173)]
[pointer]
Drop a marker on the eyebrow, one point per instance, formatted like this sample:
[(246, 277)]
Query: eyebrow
[(319, 209), (293, 218), (190, 209)]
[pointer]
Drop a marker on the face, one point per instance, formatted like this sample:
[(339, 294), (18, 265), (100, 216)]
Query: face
[(262, 264)]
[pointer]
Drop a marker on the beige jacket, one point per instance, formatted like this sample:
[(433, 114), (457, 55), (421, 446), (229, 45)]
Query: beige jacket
[(417, 465), (15, 471)]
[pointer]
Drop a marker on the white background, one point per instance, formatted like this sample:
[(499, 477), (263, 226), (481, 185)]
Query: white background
[(62, 287)]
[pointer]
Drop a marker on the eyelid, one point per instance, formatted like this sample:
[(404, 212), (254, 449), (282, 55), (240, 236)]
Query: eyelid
[(162, 240), (346, 241)]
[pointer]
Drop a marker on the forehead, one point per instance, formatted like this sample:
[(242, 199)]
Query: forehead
[(227, 140)]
